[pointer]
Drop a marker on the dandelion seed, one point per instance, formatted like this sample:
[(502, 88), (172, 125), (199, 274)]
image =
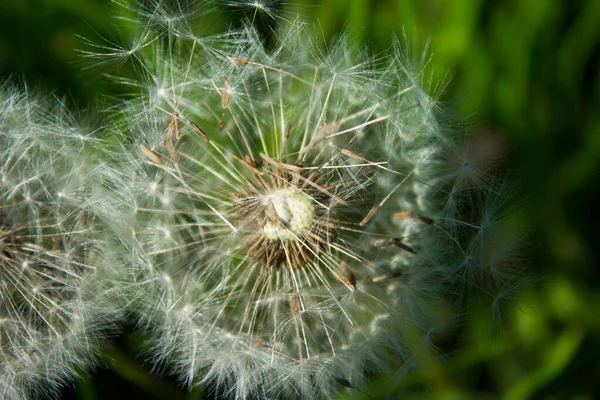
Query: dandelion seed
[(349, 278), (199, 131), (386, 277), (151, 155), (395, 242), (238, 60), (173, 130)]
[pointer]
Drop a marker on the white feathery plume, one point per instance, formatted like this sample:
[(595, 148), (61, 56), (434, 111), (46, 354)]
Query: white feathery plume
[(52, 313)]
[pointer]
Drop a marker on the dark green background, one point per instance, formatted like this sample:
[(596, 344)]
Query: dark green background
[(525, 71)]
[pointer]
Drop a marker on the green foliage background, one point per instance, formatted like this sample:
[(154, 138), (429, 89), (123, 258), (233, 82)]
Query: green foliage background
[(526, 72)]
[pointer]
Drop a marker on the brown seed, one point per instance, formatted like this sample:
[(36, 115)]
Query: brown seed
[(173, 154), (410, 214), (295, 304), (151, 155), (386, 277), (55, 242), (251, 187), (426, 220), (355, 156), (84, 216), (239, 60), (349, 277), (250, 164), (384, 243), (398, 243), (288, 127), (199, 131), (395, 242), (368, 217), (261, 343), (174, 124), (172, 130), (344, 382), (404, 215), (225, 94)]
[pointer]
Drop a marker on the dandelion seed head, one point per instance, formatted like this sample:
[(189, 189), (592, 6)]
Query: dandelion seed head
[(48, 280), (290, 225), (275, 168)]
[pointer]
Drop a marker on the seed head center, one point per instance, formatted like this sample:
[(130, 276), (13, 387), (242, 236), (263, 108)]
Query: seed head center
[(290, 213)]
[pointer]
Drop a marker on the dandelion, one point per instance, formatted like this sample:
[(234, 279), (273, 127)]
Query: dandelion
[(285, 212), (255, 11), (51, 309)]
